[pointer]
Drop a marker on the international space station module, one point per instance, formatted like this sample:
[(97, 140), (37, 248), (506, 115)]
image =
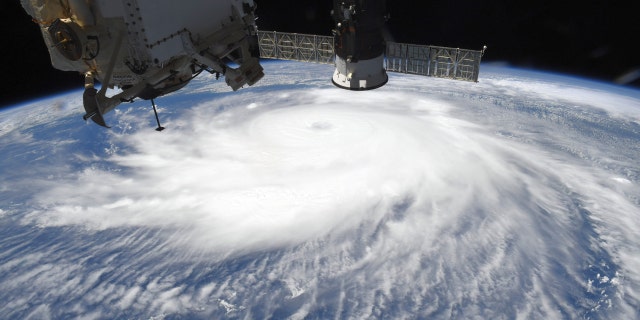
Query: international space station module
[(148, 48), (359, 44)]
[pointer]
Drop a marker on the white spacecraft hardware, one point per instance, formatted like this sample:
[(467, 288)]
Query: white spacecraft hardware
[(359, 44), (148, 48)]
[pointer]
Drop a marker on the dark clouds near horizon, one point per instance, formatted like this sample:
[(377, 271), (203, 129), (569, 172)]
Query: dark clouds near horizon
[(589, 38)]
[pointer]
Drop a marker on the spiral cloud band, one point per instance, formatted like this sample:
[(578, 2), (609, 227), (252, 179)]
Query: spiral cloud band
[(426, 197)]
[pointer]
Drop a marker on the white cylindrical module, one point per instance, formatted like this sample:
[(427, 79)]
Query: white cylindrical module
[(360, 75), (359, 45)]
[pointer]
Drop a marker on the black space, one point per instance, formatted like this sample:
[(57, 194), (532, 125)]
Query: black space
[(589, 38)]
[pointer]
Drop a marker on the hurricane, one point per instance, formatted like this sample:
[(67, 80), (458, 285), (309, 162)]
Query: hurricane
[(514, 197)]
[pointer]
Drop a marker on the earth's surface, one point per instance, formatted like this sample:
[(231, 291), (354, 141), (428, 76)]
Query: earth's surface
[(514, 197)]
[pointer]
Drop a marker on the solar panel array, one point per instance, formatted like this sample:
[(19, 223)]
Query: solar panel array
[(296, 46), (431, 61)]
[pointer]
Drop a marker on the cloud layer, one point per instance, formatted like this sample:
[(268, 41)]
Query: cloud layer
[(426, 197)]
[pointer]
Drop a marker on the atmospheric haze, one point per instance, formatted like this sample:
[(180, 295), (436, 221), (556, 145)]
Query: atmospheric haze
[(427, 198)]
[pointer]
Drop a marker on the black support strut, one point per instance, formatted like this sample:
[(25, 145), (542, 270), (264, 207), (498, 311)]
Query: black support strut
[(159, 128)]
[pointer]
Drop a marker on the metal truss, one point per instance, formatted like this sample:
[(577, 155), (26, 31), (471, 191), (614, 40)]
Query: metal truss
[(431, 61)]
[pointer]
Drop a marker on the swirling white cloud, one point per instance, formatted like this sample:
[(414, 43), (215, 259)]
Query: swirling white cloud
[(401, 198)]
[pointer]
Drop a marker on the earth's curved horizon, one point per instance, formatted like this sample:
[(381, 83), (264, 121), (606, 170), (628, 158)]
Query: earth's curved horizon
[(514, 197)]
